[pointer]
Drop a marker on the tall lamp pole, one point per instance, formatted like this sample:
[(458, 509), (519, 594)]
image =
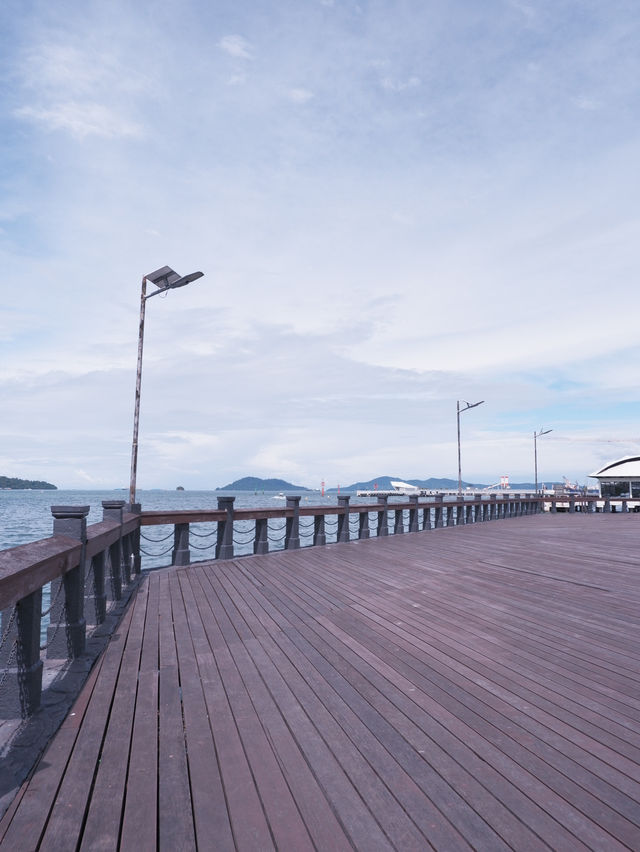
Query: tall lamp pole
[(467, 406), (164, 279), (537, 435)]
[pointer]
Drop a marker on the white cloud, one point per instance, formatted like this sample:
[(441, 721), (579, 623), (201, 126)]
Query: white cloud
[(300, 96), (586, 103), (236, 46), (82, 120), (392, 85), (433, 224)]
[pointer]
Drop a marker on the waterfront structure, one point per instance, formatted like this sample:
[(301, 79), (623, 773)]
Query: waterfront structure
[(620, 478), (412, 691)]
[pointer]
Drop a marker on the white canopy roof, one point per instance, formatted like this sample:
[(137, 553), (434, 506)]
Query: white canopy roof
[(627, 467)]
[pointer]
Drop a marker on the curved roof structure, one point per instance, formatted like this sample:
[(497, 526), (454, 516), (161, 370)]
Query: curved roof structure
[(627, 467)]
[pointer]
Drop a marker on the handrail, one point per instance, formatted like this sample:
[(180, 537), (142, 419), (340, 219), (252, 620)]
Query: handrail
[(80, 568), (26, 568)]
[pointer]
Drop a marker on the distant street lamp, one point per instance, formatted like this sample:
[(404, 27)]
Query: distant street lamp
[(537, 435), (459, 411), (165, 279)]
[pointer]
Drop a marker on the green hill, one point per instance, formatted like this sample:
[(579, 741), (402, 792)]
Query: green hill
[(26, 484), (384, 484), (254, 483)]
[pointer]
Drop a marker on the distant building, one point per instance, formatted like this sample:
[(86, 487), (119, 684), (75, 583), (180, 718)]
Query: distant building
[(620, 478)]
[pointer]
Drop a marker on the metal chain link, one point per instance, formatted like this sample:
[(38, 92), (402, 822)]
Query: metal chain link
[(155, 555), (202, 535), (10, 661), (155, 540), (250, 533), (276, 540), (62, 620), (197, 547), (88, 571), (12, 618), (52, 603)]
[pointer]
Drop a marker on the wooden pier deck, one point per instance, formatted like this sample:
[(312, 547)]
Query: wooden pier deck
[(475, 687)]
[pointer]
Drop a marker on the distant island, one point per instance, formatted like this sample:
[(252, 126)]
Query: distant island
[(384, 484), (254, 483), (431, 484), (12, 482)]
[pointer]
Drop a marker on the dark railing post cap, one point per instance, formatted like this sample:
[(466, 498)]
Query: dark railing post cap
[(60, 512), (113, 504)]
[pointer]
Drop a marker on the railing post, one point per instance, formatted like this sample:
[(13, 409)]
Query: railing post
[(363, 525), (449, 515), (572, 504), (477, 508), (413, 514), (28, 652), (438, 511), (71, 521), (126, 559), (136, 562), (426, 517), (112, 511), (261, 542), (343, 519), (517, 505), (99, 592), (460, 509), (468, 512), (180, 555), (319, 533), (398, 521), (493, 507), (625, 506), (292, 530), (224, 542), (383, 527)]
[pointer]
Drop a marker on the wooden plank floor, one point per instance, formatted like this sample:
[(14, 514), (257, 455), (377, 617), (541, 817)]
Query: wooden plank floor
[(467, 688)]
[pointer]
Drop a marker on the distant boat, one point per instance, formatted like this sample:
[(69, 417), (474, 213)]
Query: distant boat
[(279, 496), (405, 488)]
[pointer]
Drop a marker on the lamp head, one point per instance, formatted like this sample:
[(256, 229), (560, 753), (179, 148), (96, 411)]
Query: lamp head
[(166, 278)]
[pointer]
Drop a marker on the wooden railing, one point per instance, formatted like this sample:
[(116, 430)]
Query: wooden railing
[(326, 524), (83, 572)]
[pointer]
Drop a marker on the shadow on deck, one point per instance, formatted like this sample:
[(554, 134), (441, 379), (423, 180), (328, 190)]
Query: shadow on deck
[(475, 687)]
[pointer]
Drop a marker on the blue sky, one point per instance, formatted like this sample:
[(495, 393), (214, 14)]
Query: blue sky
[(395, 204)]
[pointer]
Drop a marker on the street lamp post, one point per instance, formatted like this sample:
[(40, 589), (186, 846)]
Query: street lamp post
[(165, 279), (537, 435), (459, 411)]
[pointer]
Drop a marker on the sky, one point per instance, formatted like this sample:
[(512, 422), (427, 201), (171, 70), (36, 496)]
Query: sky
[(396, 205)]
